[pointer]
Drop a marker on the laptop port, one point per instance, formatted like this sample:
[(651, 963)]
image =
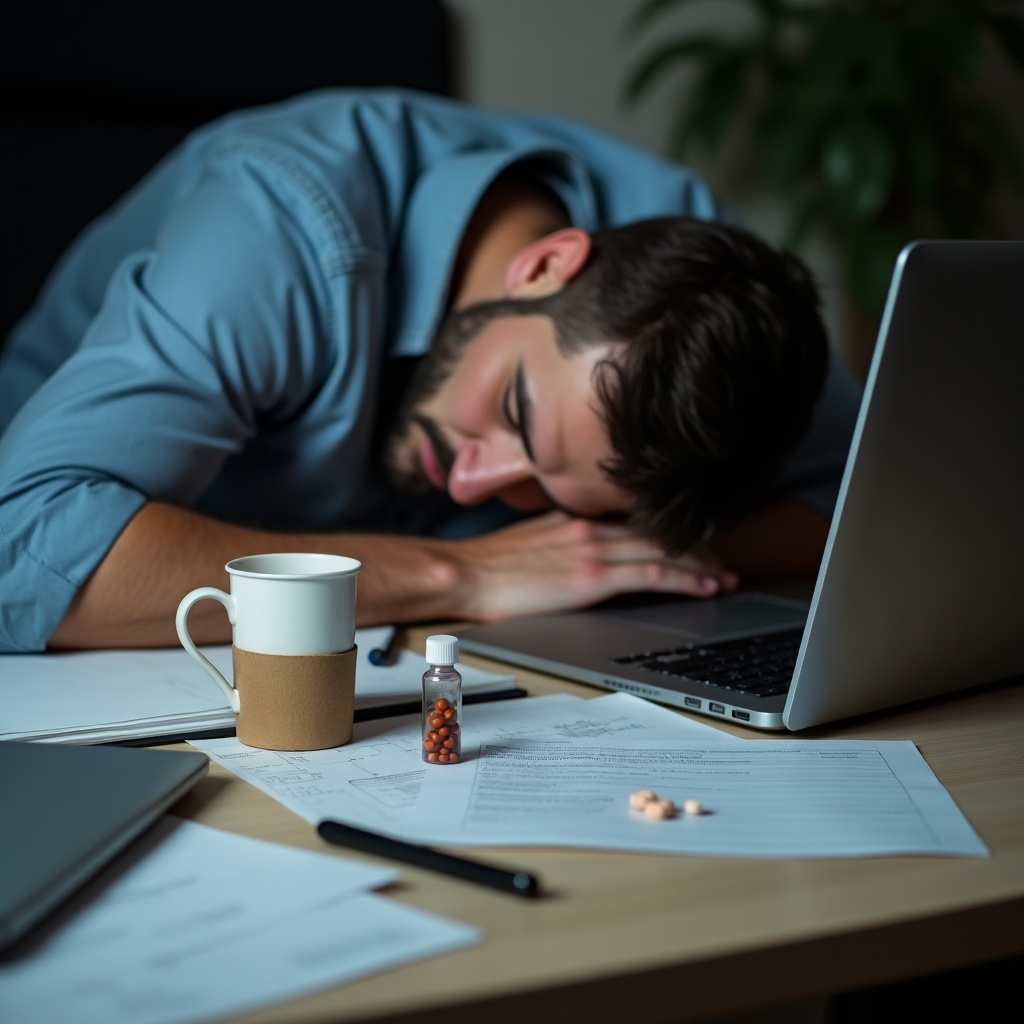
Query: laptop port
[(692, 702), (719, 709), (743, 716)]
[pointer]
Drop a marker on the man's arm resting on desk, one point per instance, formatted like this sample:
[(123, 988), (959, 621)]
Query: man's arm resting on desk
[(547, 563)]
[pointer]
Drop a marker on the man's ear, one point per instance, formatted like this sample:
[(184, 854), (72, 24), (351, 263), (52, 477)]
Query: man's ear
[(544, 266)]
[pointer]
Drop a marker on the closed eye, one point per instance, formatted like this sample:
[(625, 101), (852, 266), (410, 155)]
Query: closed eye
[(524, 408), (506, 407), (519, 418)]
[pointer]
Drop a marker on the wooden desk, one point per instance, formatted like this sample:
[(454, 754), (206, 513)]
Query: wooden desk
[(685, 938)]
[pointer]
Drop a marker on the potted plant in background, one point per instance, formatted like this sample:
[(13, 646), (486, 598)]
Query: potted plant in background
[(864, 115)]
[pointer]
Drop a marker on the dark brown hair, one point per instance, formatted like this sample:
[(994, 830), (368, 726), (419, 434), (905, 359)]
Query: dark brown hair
[(724, 358)]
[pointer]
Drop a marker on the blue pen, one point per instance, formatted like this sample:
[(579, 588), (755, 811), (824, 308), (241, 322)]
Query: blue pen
[(385, 655)]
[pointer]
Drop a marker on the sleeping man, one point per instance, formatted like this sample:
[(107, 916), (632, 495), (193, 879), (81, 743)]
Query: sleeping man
[(507, 362)]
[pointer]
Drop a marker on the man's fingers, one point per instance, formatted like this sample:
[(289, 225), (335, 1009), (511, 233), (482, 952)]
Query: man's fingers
[(614, 543), (665, 577), (554, 561)]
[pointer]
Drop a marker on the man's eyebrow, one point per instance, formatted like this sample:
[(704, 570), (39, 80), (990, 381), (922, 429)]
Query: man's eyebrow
[(524, 412)]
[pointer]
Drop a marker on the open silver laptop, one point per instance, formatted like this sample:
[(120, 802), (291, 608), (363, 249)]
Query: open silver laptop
[(66, 810), (921, 588)]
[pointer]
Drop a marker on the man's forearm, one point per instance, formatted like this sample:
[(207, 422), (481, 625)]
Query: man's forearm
[(550, 562), (164, 552)]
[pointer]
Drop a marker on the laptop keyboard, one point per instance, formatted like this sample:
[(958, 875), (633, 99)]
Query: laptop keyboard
[(759, 665)]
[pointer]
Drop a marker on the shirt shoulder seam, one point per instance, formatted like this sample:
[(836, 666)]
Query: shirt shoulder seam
[(349, 253)]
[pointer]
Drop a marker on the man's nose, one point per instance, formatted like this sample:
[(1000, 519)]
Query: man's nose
[(483, 468)]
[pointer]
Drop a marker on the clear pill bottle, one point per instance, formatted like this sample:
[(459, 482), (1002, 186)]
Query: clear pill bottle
[(441, 720)]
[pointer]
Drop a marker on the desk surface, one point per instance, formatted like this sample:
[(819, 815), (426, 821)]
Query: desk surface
[(691, 937)]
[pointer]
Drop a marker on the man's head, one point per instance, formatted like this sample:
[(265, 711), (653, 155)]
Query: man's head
[(660, 372)]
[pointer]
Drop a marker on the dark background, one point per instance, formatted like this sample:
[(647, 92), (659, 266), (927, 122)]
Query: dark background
[(93, 94)]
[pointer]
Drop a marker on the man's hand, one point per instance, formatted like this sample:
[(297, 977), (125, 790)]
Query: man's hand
[(554, 562)]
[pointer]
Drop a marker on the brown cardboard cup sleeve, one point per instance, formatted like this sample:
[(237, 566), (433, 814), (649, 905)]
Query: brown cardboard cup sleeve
[(294, 702)]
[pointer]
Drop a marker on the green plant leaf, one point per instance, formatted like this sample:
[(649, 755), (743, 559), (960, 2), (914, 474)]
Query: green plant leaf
[(869, 256), (946, 42), (920, 161), (658, 61), (1009, 34), (867, 115), (790, 136), (716, 97), (650, 11), (806, 215), (857, 164), (995, 138), (771, 10)]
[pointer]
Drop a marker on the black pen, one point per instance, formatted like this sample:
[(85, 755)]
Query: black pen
[(520, 883), (386, 654)]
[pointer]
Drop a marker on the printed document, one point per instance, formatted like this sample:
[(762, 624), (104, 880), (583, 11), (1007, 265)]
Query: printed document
[(761, 798), (558, 771), (373, 781), (200, 923)]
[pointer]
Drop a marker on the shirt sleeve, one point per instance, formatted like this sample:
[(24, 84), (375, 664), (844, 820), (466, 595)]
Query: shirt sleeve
[(217, 328)]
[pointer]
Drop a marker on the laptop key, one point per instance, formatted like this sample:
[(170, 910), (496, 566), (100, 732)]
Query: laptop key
[(630, 659), (761, 666)]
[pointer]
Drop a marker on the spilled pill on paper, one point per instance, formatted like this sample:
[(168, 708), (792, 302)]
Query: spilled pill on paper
[(661, 808), (653, 806), (641, 798)]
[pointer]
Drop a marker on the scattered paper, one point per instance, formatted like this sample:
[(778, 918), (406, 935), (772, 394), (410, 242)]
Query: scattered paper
[(105, 696), (203, 923), (558, 771), (373, 782)]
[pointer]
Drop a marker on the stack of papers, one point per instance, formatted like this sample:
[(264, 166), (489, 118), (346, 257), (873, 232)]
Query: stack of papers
[(558, 771), (200, 923), (108, 696)]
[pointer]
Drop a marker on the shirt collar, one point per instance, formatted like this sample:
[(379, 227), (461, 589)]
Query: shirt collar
[(437, 213)]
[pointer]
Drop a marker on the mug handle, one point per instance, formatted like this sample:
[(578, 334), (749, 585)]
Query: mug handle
[(181, 623)]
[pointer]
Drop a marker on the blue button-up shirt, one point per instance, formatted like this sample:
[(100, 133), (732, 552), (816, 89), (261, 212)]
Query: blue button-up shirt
[(225, 336)]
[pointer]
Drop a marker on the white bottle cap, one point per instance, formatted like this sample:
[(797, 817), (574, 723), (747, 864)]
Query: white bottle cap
[(442, 649)]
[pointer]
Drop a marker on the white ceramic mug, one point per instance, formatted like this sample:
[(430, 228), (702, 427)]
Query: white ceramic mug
[(281, 604)]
